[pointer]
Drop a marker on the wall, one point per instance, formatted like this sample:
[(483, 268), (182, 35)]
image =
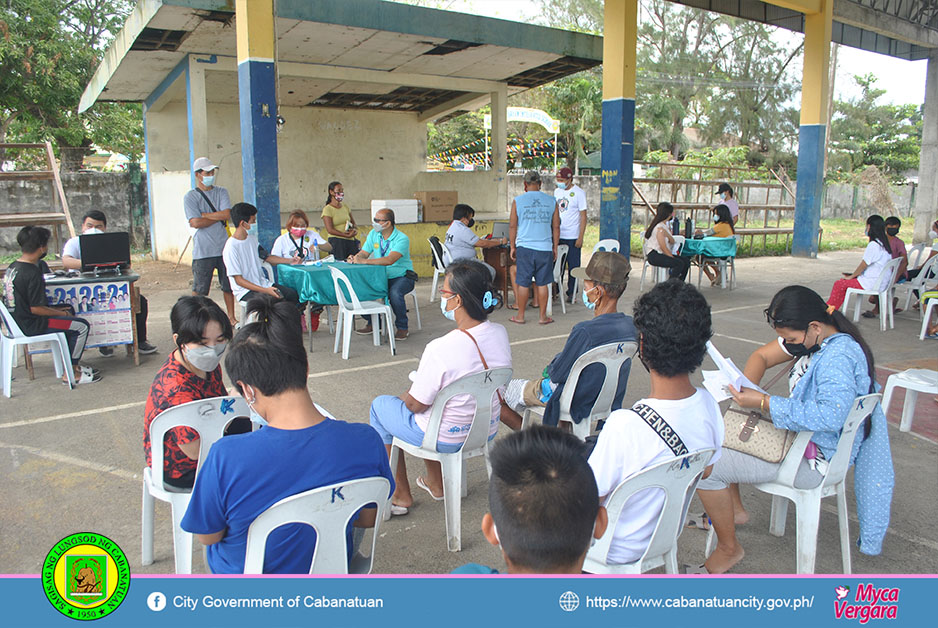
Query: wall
[(842, 200), (109, 192)]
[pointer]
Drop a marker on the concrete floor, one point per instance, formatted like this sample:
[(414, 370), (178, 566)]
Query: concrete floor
[(72, 460)]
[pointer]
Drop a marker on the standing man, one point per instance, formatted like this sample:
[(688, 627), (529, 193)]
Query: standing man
[(534, 231), (725, 191), (571, 202), (207, 208), (387, 246)]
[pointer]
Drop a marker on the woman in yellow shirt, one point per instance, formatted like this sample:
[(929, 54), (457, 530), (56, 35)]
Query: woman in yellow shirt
[(722, 228), (337, 218)]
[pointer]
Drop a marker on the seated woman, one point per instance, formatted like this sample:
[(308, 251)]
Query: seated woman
[(201, 331), (833, 366), (467, 297), (722, 228), (659, 242), (305, 243), (299, 449), (866, 277)]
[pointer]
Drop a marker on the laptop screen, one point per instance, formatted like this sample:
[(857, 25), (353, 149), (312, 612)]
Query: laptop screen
[(499, 230), (109, 249)]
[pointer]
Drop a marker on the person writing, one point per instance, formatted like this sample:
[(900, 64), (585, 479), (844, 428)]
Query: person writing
[(388, 246), (462, 242), (207, 207), (722, 228), (297, 450), (339, 223), (299, 240), (659, 243)]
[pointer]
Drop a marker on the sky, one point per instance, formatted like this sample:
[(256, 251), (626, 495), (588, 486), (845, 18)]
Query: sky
[(904, 81)]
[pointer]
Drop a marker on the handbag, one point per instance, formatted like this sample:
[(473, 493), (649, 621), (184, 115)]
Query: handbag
[(501, 400), (750, 432)]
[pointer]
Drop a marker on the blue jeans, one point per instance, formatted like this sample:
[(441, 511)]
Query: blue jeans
[(572, 261), (398, 288)]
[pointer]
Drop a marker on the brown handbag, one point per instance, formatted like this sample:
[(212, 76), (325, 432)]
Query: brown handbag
[(750, 432)]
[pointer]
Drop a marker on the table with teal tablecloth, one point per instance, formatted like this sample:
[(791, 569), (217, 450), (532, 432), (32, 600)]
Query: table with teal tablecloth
[(314, 283), (710, 247)]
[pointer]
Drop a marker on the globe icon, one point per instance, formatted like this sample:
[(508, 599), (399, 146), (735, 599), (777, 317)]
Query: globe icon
[(569, 601)]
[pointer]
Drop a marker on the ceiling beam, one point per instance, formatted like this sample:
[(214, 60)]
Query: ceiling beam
[(467, 102), (801, 6), (883, 23)]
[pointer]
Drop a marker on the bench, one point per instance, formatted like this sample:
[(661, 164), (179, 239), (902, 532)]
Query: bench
[(765, 232)]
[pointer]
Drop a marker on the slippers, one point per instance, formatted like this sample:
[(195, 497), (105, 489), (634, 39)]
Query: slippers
[(399, 511), (869, 314), (698, 521), (700, 569), (512, 307), (546, 321), (423, 484), (515, 320)]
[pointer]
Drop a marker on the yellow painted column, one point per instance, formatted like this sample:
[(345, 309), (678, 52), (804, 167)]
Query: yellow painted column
[(813, 129), (620, 32)]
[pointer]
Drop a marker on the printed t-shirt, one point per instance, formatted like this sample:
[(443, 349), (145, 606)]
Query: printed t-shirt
[(25, 288), (535, 213), (445, 360), (397, 242), (207, 241), (175, 385), (244, 474), (340, 216), (876, 258), (461, 241), (288, 246), (627, 445), (242, 257), (570, 202)]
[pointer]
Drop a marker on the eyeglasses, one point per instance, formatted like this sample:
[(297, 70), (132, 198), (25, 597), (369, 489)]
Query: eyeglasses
[(447, 292)]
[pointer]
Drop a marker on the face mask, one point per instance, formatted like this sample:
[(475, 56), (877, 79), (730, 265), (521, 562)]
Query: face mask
[(472, 221), (561, 186), (91, 231), (205, 358), (208, 180), (449, 314), (586, 301), (893, 231), (340, 196), (933, 235), (298, 232), (255, 415), (252, 230), (638, 352), (798, 349), (377, 225)]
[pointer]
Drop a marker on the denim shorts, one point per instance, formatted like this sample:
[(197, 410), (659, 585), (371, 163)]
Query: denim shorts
[(536, 264)]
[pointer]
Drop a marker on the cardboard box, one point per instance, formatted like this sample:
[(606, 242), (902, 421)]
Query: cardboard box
[(437, 206)]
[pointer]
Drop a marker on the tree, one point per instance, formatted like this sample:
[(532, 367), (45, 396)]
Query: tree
[(48, 52)]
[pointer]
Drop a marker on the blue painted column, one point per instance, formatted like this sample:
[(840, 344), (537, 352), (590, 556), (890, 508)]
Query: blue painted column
[(258, 106), (620, 33)]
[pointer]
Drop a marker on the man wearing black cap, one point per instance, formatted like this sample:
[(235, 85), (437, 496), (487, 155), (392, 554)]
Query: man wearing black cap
[(604, 280), (571, 202), (725, 191)]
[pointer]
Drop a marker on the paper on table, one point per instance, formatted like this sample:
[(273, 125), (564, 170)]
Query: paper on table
[(730, 371)]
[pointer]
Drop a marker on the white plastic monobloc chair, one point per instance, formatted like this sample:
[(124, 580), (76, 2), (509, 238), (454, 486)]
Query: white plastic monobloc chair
[(927, 308), (890, 270), (808, 501), (612, 356), (660, 273), (925, 276), (609, 244), (562, 251), (482, 387), (14, 337), (678, 478), (348, 308), (208, 417), (440, 262), (268, 270), (914, 381), (724, 265), (327, 510)]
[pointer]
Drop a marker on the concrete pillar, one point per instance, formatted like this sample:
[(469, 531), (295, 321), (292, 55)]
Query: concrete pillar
[(618, 130), (196, 113), (258, 105), (926, 197), (813, 130), (499, 105)]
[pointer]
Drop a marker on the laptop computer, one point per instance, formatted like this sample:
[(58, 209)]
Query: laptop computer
[(109, 250), (499, 230)]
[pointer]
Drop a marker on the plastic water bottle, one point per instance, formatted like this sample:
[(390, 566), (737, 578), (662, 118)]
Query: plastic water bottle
[(316, 253)]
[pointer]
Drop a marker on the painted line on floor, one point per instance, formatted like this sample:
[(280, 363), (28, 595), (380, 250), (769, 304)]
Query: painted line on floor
[(355, 369), (72, 415), (910, 538), (734, 309), (752, 342), (78, 462)]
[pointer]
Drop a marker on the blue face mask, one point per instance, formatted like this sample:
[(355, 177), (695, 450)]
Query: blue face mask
[(208, 180), (586, 301), (255, 416), (561, 186), (449, 314), (252, 230)]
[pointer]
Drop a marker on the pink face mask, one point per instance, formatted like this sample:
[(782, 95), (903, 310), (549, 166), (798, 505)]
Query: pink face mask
[(339, 196), (298, 232)]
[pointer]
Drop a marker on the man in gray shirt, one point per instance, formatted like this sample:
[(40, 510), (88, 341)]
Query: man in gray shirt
[(461, 240), (207, 208)]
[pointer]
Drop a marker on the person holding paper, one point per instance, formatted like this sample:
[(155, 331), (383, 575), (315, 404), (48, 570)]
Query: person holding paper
[(832, 366), (658, 244)]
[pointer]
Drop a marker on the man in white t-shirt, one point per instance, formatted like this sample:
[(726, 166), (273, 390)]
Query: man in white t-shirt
[(571, 200), (243, 256), (673, 323)]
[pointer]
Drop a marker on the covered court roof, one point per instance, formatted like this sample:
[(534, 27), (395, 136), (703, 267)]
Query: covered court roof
[(361, 54)]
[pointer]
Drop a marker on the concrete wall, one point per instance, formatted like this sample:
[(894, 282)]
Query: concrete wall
[(842, 200), (109, 192)]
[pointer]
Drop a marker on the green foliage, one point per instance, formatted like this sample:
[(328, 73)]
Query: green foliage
[(48, 52)]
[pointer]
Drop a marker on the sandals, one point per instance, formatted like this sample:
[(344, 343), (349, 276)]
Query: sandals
[(423, 484), (698, 521), (86, 377)]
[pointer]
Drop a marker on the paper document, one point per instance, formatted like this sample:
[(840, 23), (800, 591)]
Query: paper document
[(729, 374)]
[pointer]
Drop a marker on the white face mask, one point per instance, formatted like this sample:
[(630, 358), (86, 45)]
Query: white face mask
[(377, 225), (255, 415), (203, 357), (91, 231)]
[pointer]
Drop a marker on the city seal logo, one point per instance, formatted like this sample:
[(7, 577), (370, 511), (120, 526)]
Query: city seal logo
[(86, 576)]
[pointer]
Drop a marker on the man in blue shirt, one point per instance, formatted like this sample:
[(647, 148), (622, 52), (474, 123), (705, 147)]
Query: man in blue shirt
[(534, 230), (387, 246)]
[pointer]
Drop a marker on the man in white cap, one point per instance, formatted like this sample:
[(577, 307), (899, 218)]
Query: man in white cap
[(207, 208)]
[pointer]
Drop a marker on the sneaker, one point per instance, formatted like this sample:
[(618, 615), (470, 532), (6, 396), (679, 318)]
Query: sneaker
[(106, 351), (364, 331), (90, 369), (400, 334), (146, 348)]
